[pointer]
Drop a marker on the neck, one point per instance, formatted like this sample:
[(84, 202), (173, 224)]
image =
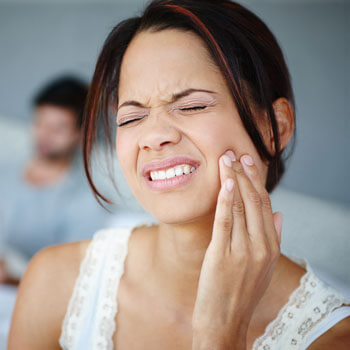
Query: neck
[(43, 170), (179, 254), (178, 259)]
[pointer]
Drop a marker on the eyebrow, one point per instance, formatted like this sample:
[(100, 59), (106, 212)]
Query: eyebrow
[(173, 98)]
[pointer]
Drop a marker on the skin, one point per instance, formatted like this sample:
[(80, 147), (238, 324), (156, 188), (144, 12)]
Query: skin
[(56, 137), (166, 130), (178, 275)]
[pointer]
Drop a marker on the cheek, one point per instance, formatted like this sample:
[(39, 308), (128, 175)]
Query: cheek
[(125, 151), (121, 152), (220, 132), (65, 137)]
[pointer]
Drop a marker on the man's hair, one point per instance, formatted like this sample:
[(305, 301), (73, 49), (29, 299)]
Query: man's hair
[(68, 92)]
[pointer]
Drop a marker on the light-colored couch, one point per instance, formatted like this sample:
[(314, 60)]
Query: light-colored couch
[(317, 230)]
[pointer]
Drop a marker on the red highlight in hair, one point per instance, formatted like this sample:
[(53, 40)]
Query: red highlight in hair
[(89, 126), (194, 18)]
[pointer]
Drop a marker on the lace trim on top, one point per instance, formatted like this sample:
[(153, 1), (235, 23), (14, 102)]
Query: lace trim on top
[(307, 306), (108, 247), (77, 310)]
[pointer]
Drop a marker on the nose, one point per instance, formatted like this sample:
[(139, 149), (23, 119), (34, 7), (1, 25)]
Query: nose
[(157, 133)]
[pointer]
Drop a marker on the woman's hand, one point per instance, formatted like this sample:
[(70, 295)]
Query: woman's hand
[(239, 260)]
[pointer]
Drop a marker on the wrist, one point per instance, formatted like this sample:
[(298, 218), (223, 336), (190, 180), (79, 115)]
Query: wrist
[(223, 338)]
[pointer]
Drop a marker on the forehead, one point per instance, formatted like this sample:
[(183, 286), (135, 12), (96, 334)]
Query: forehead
[(159, 64), (54, 115)]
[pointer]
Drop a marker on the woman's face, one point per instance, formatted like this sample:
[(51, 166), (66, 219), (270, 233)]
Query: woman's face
[(179, 105)]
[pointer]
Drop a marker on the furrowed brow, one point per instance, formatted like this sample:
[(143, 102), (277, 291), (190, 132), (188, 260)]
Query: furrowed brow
[(174, 98), (131, 103), (188, 92)]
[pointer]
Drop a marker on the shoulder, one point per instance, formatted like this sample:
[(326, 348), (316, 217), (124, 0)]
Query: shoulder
[(337, 337), (43, 296)]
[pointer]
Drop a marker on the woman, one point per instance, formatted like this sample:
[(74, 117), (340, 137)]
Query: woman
[(204, 108)]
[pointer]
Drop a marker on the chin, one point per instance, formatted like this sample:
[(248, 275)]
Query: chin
[(182, 205), (174, 214)]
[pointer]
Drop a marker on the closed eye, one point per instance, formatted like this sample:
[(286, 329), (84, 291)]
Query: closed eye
[(195, 108), (128, 121), (185, 109)]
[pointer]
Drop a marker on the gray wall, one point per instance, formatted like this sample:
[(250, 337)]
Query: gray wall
[(39, 40)]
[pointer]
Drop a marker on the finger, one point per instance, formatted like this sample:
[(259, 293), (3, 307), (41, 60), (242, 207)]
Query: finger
[(225, 168), (239, 232), (252, 204), (252, 172), (222, 227)]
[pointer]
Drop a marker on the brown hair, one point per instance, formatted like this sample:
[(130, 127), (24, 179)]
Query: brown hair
[(241, 45)]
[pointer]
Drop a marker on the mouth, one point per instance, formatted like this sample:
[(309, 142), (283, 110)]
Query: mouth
[(170, 173)]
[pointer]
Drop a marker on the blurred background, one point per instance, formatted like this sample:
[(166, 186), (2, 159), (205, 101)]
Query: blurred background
[(42, 40)]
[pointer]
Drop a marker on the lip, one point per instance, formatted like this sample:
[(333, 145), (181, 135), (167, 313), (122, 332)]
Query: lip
[(168, 163), (170, 184)]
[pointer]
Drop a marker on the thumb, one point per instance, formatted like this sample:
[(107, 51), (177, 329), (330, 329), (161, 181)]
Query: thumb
[(278, 220)]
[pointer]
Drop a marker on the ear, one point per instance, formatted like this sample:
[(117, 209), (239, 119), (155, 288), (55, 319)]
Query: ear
[(285, 123)]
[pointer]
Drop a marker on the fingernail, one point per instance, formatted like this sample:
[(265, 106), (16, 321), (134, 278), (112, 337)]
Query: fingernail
[(231, 155), (248, 160), (229, 185), (227, 160)]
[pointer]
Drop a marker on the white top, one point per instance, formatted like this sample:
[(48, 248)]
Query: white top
[(89, 323)]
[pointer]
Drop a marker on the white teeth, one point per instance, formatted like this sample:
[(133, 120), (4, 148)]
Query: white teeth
[(161, 175), (178, 170), (172, 172), (154, 175), (187, 169)]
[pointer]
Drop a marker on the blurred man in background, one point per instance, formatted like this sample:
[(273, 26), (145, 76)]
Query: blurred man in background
[(47, 201)]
